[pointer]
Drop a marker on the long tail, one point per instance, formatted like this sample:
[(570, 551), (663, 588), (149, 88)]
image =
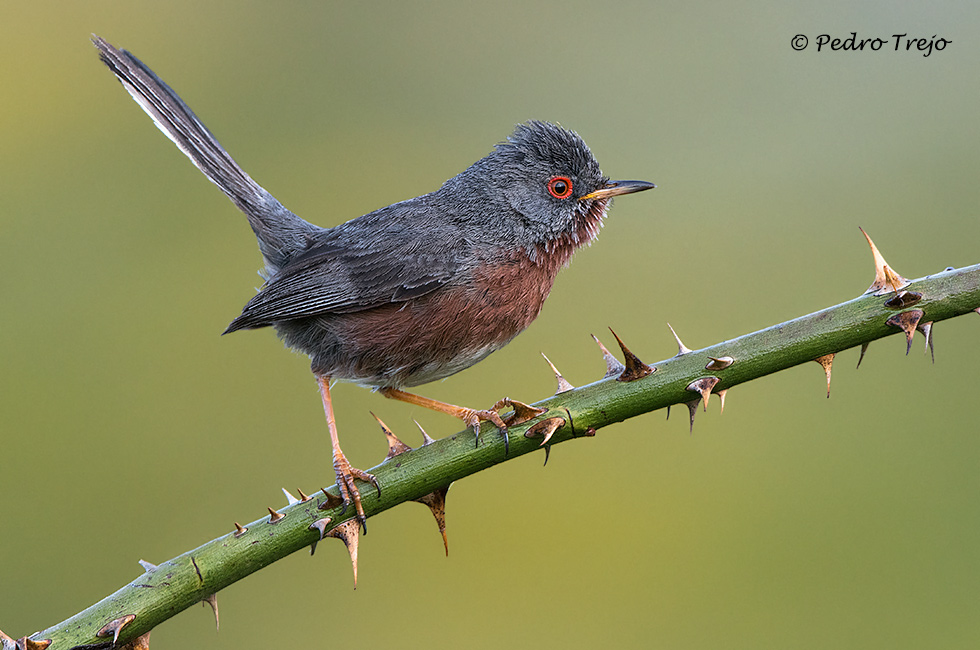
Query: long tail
[(280, 232)]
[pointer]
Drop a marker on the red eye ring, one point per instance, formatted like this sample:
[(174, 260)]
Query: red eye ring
[(560, 187)]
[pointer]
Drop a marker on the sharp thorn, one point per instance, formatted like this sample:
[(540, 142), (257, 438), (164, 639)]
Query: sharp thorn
[(115, 626), (147, 566), (321, 526), (718, 363), (275, 517), (903, 299), (240, 530), (545, 429), (864, 348), (23, 643), (349, 532), (635, 369), (827, 361), (613, 367), (703, 387), (926, 329), (290, 499), (332, 501), (302, 497), (436, 502), (906, 321), (668, 412), (547, 455), (692, 406), (977, 310), (681, 348), (426, 438), (395, 446), (886, 279), (721, 397), (213, 601), (563, 385)]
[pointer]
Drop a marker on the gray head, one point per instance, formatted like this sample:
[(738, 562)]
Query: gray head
[(546, 181)]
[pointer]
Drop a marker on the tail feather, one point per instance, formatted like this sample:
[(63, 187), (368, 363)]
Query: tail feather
[(280, 233)]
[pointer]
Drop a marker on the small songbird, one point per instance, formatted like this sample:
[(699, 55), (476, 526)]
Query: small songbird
[(415, 291)]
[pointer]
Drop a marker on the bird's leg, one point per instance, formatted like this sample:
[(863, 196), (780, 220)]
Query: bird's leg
[(472, 417), (343, 470)]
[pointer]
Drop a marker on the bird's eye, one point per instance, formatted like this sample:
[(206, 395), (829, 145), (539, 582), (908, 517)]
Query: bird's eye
[(560, 187)]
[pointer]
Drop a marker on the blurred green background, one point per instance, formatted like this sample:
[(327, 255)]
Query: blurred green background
[(131, 429)]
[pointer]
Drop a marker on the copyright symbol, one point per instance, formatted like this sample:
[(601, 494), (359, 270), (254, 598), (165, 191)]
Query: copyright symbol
[(799, 42)]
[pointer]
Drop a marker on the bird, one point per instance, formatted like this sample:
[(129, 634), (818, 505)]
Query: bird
[(416, 291)]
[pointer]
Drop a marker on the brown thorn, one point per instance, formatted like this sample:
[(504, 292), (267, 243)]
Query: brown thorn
[(635, 369), (5, 641), (827, 361), (977, 310), (290, 499), (613, 366), (721, 396), (544, 428), (563, 385), (147, 566), (436, 502), (692, 406), (522, 412), (864, 348), (395, 446), (302, 497), (886, 280), (926, 329), (426, 438), (115, 626), (332, 501), (703, 386), (349, 533), (275, 517), (719, 363), (903, 299), (906, 321), (213, 601), (23, 643), (240, 530), (681, 348), (547, 455)]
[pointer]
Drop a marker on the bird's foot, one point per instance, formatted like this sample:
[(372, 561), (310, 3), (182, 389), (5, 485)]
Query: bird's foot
[(521, 413), (346, 474)]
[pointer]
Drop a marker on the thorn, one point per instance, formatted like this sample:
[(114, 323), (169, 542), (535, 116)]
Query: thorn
[(613, 366), (907, 322), (827, 361), (395, 446), (426, 439), (563, 385), (886, 280), (547, 455), (903, 299), (668, 412), (926, 329), (213, 601), (26, 643), (436, 501), (635, 369), (275, 517), (522, 412), (703, 386), (864, 348), (240, 530), (5, 641), (681, 348), (320, 525), (719, 363), (290, 499), (977, 310), (692, 406), (302, 497), (114, 627), (331, 502), (590, 432), (721, 396), (349, 533), (545, 428), (147, 566)]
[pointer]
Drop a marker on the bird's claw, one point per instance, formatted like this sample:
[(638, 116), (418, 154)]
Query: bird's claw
[(521, 414), (346, 474)]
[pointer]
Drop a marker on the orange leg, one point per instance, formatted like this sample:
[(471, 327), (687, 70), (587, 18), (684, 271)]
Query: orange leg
[(342, 469), (472, 417)]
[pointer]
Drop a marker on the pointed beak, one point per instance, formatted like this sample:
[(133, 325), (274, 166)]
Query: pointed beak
[(615, 188)]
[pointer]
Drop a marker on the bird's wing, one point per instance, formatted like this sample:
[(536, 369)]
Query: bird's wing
[(351, 272)]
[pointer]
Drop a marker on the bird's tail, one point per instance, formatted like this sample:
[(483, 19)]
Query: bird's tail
[(280, 232)]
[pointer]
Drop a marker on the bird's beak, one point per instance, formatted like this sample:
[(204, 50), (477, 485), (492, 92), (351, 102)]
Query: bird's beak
[(615, 188)]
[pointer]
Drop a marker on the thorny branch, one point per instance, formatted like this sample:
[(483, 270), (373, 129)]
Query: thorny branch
[(891, 305)]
